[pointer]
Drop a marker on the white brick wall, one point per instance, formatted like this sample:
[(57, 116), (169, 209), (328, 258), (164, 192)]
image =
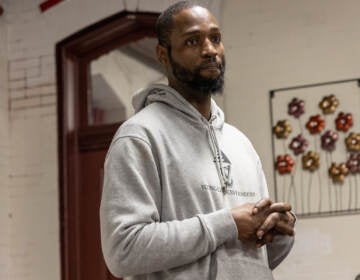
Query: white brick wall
[(33, 180)]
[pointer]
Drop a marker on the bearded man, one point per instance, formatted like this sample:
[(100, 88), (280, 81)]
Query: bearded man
[(184, 193)]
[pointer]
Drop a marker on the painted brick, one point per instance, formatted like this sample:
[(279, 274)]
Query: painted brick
[(33, 112), (49, 89), (19, 93), (17, 74), (24, 103), (39, 50), (24, 63), (33, 91), (15, 45), (32, 72), (48, 71), (40, 81), (48, 100), (16, 54), (47, 60), (20, 84), (29, 16)]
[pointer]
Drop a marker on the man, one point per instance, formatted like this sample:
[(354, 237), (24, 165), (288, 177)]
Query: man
[(184, 193)]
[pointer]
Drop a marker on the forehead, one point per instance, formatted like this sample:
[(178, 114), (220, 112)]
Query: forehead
[(193, 19)]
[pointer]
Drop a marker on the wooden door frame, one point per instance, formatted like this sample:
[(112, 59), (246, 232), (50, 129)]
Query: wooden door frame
[(73, 55)]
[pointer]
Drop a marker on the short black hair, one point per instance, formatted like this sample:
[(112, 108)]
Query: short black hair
[(164, 23)]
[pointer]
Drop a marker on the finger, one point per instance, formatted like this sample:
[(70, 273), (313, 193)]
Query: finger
[(269, 224), (261, 205), (284, 228), (268, 238), (280, 207), (292, 218)]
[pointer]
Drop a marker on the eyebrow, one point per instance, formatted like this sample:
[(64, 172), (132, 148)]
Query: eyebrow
[(189, 33)]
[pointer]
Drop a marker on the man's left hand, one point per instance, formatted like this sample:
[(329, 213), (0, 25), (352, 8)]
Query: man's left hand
[(277, 222)]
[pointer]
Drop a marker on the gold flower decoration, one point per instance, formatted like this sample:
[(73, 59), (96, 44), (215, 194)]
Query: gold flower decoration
[(353, 142), (329, 104), (338, 172), (311, 161), (282, 129)]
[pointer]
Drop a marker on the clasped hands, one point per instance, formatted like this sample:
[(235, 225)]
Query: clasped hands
[(260, 222)]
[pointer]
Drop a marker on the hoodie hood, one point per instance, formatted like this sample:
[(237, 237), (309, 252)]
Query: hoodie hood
[(165, 94), (169, 96)]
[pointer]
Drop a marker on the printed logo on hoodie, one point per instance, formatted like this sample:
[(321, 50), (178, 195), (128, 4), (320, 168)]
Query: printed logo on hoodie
[(227, 168), (226, 173)]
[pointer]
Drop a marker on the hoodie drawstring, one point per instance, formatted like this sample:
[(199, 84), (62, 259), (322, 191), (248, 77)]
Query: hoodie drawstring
[(215, 148)]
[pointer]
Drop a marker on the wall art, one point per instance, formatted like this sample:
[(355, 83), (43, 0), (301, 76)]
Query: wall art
[(316, 147)]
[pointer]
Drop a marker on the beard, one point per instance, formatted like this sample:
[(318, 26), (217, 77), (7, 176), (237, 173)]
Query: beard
[(194, 80)]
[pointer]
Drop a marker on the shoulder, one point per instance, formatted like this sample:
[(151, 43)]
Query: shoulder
[(144, 125)]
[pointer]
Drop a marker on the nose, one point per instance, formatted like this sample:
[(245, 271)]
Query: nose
[(209, 49)]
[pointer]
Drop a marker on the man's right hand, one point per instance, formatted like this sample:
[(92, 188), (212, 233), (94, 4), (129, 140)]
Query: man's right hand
[(249, 217), (246, 222)]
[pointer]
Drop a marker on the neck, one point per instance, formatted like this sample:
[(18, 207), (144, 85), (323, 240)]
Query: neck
[(199, 100)]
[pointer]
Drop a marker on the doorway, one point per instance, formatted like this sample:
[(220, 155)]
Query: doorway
[(96, 74)]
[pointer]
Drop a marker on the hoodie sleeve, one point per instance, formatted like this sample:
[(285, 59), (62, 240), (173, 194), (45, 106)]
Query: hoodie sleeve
[(134, 239), (279, 249)]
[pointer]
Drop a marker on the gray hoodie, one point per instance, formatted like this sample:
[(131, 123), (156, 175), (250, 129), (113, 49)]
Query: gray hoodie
[(171, 178)]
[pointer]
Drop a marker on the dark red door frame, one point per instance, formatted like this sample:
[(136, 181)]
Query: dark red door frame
[(73, 55)]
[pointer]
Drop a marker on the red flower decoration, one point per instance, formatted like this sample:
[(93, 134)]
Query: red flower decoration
[(344, 121), (315, 124), (296, 107), (298, 144), (284, 164), (328, 140)]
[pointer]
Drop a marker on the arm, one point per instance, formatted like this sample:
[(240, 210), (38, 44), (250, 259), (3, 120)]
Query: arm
[(134, 239)]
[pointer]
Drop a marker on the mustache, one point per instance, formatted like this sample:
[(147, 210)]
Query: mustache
[(212, 62)]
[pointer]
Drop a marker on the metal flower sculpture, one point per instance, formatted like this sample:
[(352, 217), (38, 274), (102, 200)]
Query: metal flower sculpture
[(353, 163), (284, 164), (344, 121), (298, 144), (338, 172), (329, 104), (353, 142), (315, 124), (282, 129), (328, 140), (296, 107), (311, 161)]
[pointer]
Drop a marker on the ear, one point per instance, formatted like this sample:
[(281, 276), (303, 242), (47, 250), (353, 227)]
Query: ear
[(162, 54)]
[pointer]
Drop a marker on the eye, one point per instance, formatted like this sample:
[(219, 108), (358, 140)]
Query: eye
[(192, 41), (215, 38)]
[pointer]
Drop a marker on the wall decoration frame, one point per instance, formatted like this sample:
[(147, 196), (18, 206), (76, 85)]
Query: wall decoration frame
[(316, 147)]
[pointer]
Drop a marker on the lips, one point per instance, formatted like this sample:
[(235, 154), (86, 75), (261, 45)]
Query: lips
[(211, 66)]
